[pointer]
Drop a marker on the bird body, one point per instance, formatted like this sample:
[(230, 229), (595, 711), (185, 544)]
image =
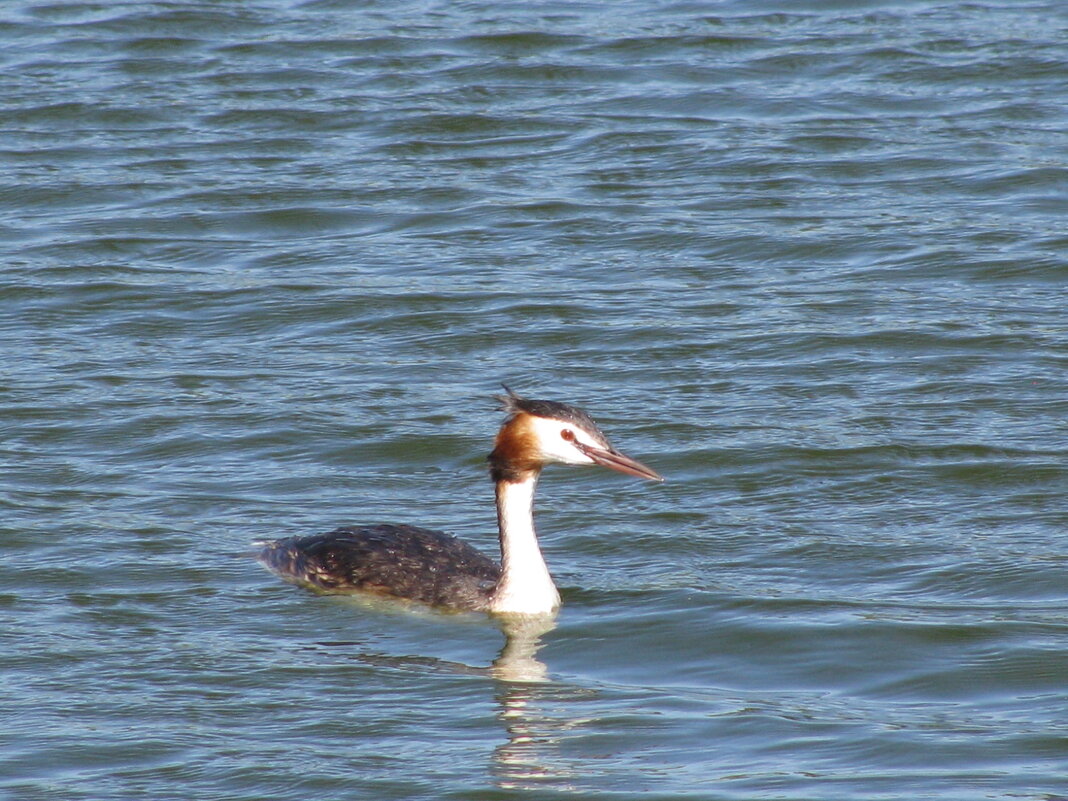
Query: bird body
[(439, 570), (430, 567)]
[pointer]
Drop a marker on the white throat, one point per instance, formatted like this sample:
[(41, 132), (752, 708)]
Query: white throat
[(525, 588)]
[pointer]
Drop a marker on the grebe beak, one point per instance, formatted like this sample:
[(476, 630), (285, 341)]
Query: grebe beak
[(617, 461)]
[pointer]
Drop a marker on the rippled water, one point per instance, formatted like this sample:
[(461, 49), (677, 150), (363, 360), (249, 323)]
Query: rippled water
[(263, 264)]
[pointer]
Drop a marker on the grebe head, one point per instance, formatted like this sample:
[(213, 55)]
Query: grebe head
[(539, 432)]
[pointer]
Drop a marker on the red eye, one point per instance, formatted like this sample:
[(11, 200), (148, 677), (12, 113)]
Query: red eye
[(568, 434)]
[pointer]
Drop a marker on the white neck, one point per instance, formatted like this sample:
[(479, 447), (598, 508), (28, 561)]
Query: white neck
[(525, 588)]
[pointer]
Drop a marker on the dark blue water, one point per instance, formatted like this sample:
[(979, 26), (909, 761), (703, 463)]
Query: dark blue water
[(263, 264)]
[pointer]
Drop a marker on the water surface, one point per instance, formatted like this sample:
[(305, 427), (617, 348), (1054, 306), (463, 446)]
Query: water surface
[(264, 264)]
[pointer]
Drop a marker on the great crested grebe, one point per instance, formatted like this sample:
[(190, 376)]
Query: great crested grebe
[(437, 569)]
